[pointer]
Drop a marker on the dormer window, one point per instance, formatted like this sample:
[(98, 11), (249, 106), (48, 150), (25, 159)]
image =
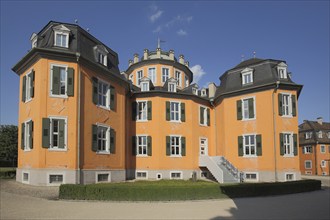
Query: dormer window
[(34, 39), (308, 135), (195, 91), (61, 36), (101, 54), (144, 86), (102, 58), (282, 71), (247, 76), (203, 92), (320, 135), (172, 87)]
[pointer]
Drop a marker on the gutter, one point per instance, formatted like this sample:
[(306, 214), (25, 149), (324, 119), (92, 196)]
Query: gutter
[(274, 129), (78, 132)]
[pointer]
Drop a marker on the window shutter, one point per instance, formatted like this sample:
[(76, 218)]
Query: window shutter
[(32, 84), (294, 107), (168, 112), (168, 145), (45, 132), (280, 104), (22, 136), (201, 115), (312, 149), (134, 145), (70, 90), (112, 141), (240, 146), (31, 134), (259, 145), (149, 103), (134, 107), (95, 91), (112, 98), (281, 144), (251, 108), (183, 146), (94, 138), (24, 89), (239, 109), (208, 116), (183, 112), (149, 141), (56, 81), (61, 133), (295, 145)]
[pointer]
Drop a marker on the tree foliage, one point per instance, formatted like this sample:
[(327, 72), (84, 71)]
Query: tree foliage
[(8, 142)]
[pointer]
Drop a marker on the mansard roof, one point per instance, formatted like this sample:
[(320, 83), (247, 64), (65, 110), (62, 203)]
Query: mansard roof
[(314, 127)]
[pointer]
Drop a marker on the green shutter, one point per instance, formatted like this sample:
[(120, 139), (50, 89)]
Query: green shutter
[(281, 144), (149, 141), (56, 80), (294, 107), (259, 145), (134, 107), (251, 108), (295, 145), (168, 111), (94, 138), (168, 145), (183, 146), (24, 89), (61, 133), (208, 116), (22, 136), (45, 132), (32, 83), (149, 103), (134, 145), (239, 109), (112, 98), (70, 90), (240, 146), (201, 115), (280, 104), (112, 141), (31, 134), (183, 112), (95, 91)]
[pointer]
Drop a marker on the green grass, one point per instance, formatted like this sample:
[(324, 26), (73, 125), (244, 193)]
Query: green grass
[(4, 171)]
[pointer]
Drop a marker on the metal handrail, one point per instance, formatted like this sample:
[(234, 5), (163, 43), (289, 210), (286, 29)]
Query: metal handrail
[(231, 168)]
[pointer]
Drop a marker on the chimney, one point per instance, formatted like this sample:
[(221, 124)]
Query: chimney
[(145, 54), (212, 89), (181, 59), (136, 58), (171, 54), (320, 120), (158, 52), (130, 62)]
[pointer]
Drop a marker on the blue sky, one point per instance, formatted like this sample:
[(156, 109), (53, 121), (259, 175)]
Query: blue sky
[(212, 35)]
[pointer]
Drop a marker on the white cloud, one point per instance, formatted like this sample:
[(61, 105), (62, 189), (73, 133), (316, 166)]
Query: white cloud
[(189, 18), (179, 19), (181, 32), (198, 72), (157, 30), (155, 16)]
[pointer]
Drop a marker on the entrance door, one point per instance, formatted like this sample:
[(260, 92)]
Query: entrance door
[(203, 146)]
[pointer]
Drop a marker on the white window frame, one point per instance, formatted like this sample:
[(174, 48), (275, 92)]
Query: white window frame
[(131, 77), (246, 76), (102, 83), (204, 115), (64, 34), (141, 171), (251, 180), (186, 80), (164, 77), (172, 87), (181, 175), (309, 161), (293, 176), (55, 184), (28, 87), (178, 145), (320, 134), (287, 105), (28, 180), (107, 139), (102, 57), (308, 149), (51, 148), (144, 111), (34, 42), (249, 146), (203, 92), (154, 77), (282, 72), (288, 146), (179, 112), (138, 77), (143, 146), (194, 91), (102, 173), (27, 135), (66, 81), (244, 118), (323, 163), (308, 135), (206, 153), (178, 78), (324, 149), (144, 86)]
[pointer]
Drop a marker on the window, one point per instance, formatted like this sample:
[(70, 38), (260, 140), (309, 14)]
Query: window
[(308, 135), (61, 39), (203, 92), (55, 178), (62, 81), (247, 76), (323, 163), (102, 58), (320, 135), (204, 116), (34, 43), (171, 87), (25, 177), (141, 146), (139, 76), (103, 94), (195, 91), (308, 172), (58, 133), (324, 173), (289, 177), (103, 136), (322, 149), (103, 177), (176, 175), (27, 135), (165, 74), (175, 146), (286, 106), (141, 175), (130, 77), (282, 74), (288, 144), (328, 134), (308, 164), (249, 144), (245, 109), (159, 176), (175, 111), (144, 86), (251, 176), (308, 149), (28, 86), (178, 78), (152, 74), (186, 80), (142, 111)]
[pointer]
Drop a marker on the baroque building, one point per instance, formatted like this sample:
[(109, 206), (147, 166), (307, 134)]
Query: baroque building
[(82, 121)]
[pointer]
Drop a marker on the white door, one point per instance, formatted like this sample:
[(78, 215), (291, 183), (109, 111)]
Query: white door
[(203, 146)]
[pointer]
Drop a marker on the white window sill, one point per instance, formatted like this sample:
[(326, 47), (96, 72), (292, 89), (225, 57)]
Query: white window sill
[(142, 120), (103, 107), (141, 155), (176, 121), (203, 125), (248, 119), (57, 149), (28, 100), (59, 96), (176, 156), (103, 152), (288, 155), (27, 150), (250, 156), (287, 116)]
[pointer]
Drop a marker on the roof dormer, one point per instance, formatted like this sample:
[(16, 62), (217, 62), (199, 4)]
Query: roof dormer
[(282, 70), (101, 54), (171, 84), (34, 40), (247, 76), (61, 36)]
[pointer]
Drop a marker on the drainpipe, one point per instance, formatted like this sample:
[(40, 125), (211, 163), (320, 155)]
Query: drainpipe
[(274, 128), (316, 163), (215, 125), (78, 130)]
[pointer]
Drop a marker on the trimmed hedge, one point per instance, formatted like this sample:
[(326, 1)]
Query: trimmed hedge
[(268, 189)]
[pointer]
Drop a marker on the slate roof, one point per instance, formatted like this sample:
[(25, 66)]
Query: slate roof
[(314, 127)]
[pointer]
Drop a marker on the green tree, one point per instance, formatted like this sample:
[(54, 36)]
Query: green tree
[(8, 143)]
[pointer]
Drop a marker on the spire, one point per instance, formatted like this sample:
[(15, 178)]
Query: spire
[(159, 41)]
